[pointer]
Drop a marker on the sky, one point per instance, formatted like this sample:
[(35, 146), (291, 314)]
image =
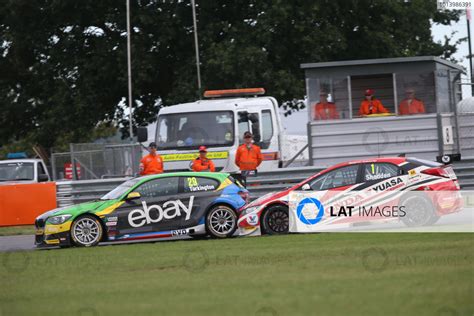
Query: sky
[(439, 31)]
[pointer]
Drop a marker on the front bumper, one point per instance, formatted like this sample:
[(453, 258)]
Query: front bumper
[(249, 224), (52, 240), (48, 235)]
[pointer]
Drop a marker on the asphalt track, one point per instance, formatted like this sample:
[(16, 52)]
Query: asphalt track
[(449, 223)]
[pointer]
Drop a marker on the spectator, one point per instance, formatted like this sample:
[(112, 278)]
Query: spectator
[(324, 110), (248, 156), (202, 163), (371, 105), (411, 105), (151, 163)]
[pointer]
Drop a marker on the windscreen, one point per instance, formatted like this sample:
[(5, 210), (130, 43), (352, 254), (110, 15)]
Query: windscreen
[(191, 130), (17, 171), (120, 190)]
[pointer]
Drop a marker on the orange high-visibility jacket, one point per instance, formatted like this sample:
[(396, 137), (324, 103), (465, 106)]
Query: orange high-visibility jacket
[(248, 158), (414, 107), (371, 107), (325, 111), (151, 164), (203, 165)]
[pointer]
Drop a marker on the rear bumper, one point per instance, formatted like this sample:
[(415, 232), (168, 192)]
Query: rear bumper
[(449, 202)]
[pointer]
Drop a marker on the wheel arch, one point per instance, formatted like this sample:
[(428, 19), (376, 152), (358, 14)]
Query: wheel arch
[(262, 214), (224, 203), (207, 214), (271, 204), (104, 228)]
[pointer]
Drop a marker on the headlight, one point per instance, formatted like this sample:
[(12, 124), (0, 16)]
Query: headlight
[(56, 220), (250, 210)]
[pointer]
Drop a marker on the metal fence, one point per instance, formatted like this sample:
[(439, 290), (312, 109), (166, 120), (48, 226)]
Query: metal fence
[(96, 161), (72, 192), (421, 136)]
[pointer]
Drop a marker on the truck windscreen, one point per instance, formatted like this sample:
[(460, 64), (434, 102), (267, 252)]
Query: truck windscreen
[(193, 129), (16, 171)]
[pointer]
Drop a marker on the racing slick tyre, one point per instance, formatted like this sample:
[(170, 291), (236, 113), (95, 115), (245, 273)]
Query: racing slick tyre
[(275, 220), (419, 210), (86, 231), (221, 221)]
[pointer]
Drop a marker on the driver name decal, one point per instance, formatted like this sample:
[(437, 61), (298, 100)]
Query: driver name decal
[(156, 213)]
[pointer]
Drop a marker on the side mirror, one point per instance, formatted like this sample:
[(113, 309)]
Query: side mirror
[(243, 117), (142, 134), (253, 117), (133, 196), (306, 187), (43, 178)]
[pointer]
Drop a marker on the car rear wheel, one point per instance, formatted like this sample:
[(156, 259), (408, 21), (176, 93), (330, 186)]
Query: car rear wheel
[(419, 211), (221, 221), (86, 231), (275, 220)]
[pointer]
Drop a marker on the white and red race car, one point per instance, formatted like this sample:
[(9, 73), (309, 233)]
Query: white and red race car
[(379, 176)]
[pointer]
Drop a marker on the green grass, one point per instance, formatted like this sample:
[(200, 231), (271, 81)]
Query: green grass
[(17, 230), (318, 274)]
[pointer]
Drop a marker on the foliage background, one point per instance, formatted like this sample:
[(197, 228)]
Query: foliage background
[(63, 74)]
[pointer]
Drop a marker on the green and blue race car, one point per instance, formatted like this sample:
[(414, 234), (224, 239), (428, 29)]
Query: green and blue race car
[(156, 206)]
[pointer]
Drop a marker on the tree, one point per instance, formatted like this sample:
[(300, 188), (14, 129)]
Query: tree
[(63, 63)]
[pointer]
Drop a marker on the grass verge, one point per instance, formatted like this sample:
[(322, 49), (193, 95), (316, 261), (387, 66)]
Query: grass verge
[(318, 274), (17, 230)]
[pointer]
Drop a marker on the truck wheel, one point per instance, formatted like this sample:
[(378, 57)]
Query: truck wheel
[(86, 231), (221, 221), (275, 220)]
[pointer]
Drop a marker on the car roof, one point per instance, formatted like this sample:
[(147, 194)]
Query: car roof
[(215, 175), (394, 160)]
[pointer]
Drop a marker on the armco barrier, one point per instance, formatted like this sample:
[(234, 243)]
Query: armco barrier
[(20, 204), (73, 192)]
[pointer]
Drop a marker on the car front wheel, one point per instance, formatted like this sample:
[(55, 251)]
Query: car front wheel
[(275, 220), (221, 221), (86, 231)]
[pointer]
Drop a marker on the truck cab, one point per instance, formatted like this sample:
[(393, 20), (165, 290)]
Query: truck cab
[(219, 124), (23, 171)]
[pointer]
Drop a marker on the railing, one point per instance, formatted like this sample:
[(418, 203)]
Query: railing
[(73, 192)]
